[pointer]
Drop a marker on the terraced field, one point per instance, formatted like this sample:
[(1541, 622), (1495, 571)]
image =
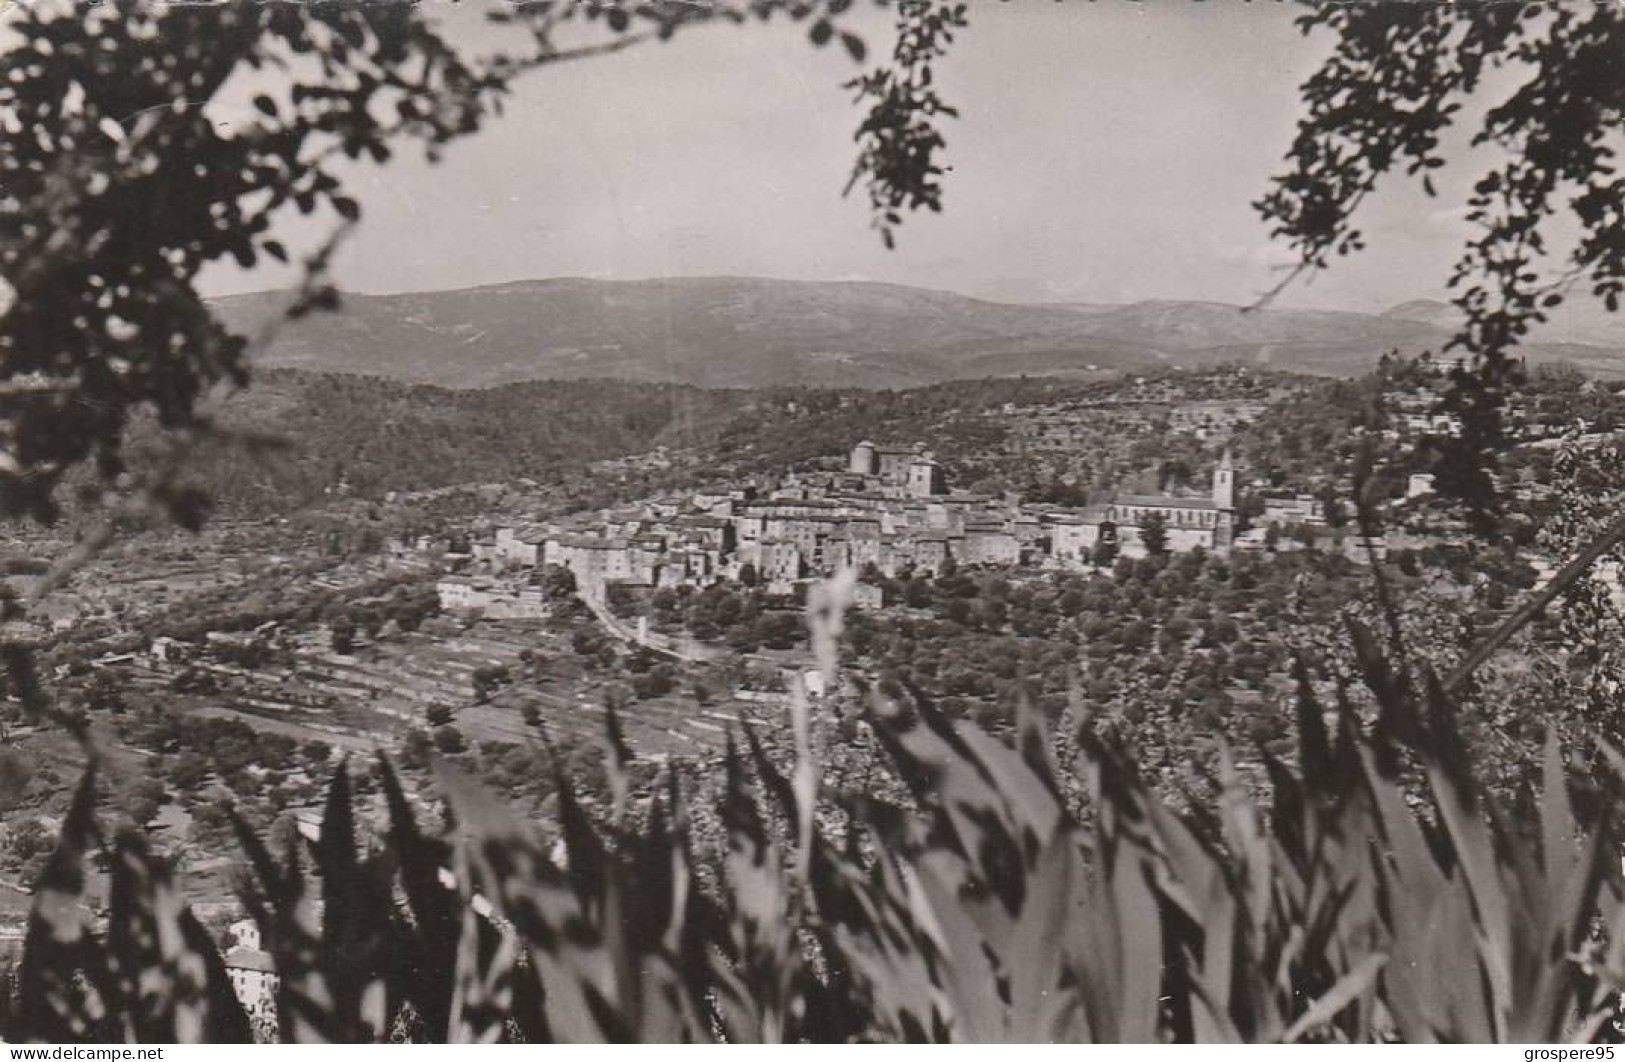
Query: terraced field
[(365, 701), (419, 670)]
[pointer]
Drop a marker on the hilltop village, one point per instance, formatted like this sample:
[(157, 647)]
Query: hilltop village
[(889, 509), (892, 510)]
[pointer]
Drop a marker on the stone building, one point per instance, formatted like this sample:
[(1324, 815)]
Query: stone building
[(909, 467)]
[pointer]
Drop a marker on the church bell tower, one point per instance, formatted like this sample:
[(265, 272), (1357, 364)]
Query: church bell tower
[(1224, 482)]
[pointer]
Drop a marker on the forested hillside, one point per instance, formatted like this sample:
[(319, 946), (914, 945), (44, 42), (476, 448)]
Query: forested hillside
[(366, 436)]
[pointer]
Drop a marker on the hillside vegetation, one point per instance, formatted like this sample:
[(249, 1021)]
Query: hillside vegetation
[(363, 436), (980, 892), (366, 436)]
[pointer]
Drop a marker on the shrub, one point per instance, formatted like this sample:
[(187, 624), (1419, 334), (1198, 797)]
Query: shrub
[(449, 740)]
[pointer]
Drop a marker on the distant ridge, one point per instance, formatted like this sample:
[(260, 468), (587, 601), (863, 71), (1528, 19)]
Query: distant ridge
[(1581, 319), (755, 332)]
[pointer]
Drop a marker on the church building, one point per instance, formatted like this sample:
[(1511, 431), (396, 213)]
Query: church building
[(1208, 522)]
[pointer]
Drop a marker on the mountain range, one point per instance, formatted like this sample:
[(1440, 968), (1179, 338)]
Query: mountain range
[(755, 332)]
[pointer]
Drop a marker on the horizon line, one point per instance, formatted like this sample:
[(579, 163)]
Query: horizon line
[(853, 281)]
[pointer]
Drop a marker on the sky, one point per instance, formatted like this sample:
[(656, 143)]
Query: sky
[(1106, 151)]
